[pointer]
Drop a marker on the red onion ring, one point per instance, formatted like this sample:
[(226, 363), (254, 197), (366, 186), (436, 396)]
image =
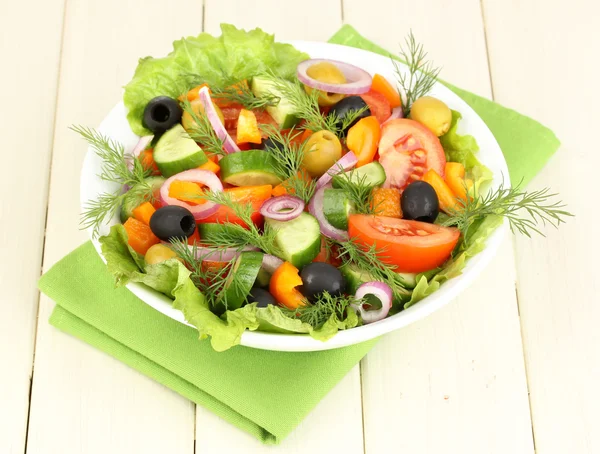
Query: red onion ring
[(397, 112), (315, 207), (382, 292), (358, 80), (207, 254), (228, 143), (273, 206), (346, 162), (270, 263), (140, 146), (197, 176)]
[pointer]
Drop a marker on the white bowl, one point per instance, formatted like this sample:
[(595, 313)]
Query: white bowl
[(115, 126)]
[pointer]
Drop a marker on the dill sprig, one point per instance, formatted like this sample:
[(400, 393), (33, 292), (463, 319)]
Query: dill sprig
[(115, 168), (241, 93), (422, 75), (358, 190), (369, 260), (524, 210), (202, 131), (306, 106), (288, 157), (321, 310), (234, 235)]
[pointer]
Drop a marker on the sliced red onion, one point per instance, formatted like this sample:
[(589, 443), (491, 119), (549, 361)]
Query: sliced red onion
[(382, 292), (270, 263), (273, 207), (228, 143), (315, 207), (397, 112), (207, 254), (346, 162), (358, 81), (140, 146), (197, 176)]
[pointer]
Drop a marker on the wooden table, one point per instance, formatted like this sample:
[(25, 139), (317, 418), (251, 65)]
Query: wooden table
[(512, 366)]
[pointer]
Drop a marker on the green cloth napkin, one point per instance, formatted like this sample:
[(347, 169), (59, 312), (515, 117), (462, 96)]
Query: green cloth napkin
[(264, 393)]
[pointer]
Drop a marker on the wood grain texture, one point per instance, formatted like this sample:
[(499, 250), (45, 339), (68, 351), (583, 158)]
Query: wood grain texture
[(547, 67), (27, 119), (84, 401), (454, 382)]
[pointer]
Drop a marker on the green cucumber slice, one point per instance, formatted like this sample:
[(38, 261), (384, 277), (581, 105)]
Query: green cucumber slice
[(131, 200), (355, 277), (299, 239), (284, 113), (337, 206), (263, 278), (371, 175), (240, 280), (175, 152), (249, 168), (208, 231)]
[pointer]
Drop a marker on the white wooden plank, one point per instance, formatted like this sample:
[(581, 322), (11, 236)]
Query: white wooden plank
[(29, 79), (454, 382), (544, 63), (342, 407), (83, 400)]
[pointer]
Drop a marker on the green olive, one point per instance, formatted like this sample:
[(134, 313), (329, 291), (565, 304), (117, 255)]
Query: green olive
[(159, 253), (188, 122), (432, 113), (323, 149), (330, 74)]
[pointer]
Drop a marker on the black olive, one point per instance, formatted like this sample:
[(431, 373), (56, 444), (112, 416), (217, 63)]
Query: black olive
[(419, 202), (161, 114), (321, 277), (269, 144), (172, 222), (346, 105), (261, 297)]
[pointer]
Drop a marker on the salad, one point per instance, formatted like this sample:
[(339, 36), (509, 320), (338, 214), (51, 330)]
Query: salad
[(271, 191)]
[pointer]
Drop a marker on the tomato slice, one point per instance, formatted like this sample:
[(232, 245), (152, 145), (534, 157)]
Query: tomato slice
[(255, 195), (412, 246), (407, 150), (378, 105)]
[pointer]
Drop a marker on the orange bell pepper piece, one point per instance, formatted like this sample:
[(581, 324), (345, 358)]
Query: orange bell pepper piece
[(193, 93), (252, 195), (283, 188), (283, 285), (146, 158), (186, 192), (447, 199), (381, 85), (455, 179), (139, 236), (211, 166), (144, 212), (386, 202), (363, 139), (247, 128)]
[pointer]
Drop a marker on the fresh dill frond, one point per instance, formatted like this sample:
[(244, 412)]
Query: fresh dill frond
[(338, 125), (358, 190), (301, 187), (422, 75), (202, 131), (524, 210), (240, 93), (117, 167), (321, 310)]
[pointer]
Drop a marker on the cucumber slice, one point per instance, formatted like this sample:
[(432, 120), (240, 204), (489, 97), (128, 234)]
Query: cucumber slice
[(209, 230), (356, 277), (175, 152), (249, 168), (284, 113), (371, 175), (337, 206), (409, 279), (240, 280), (298, 239), (263, 279), (131, 201)]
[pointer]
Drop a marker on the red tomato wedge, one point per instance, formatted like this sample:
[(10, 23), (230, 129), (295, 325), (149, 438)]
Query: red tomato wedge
[(378, 105), (407, 150), (412, 246), (255, 195)]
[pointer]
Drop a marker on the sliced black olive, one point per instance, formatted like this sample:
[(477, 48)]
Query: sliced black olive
[(419, 202), (321, 277), (261, 297), (172, 222), (269, 144), (349, 104), (161, 114)]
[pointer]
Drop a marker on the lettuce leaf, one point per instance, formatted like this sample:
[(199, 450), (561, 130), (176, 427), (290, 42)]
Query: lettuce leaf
[(235, 55), (172, 278)]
